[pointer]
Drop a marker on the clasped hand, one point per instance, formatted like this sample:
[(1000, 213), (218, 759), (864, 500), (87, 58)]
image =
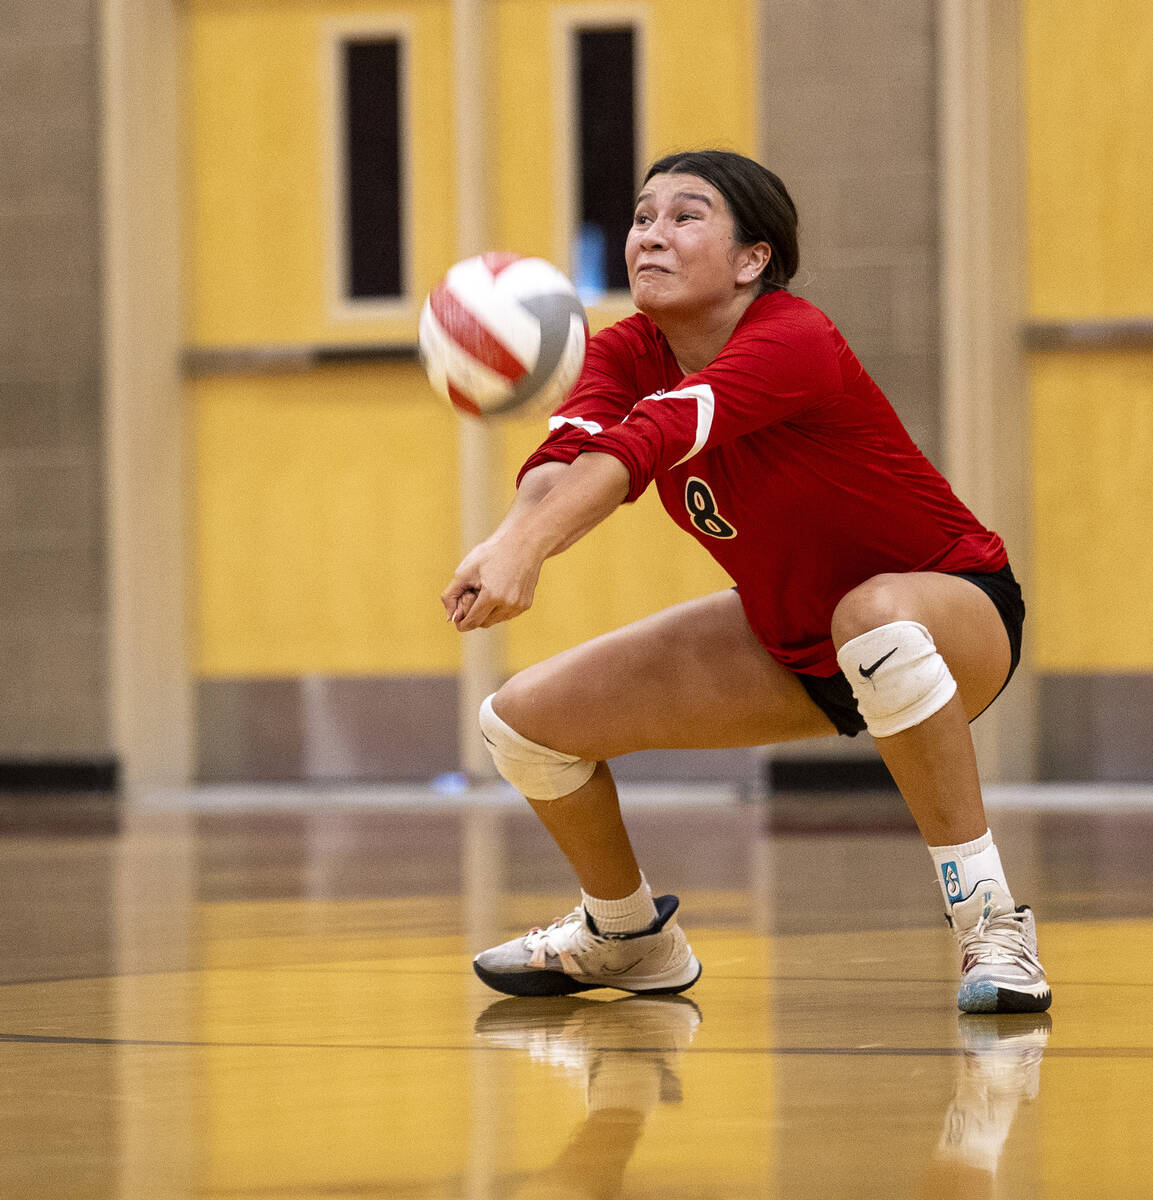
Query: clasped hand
[(495, 582)]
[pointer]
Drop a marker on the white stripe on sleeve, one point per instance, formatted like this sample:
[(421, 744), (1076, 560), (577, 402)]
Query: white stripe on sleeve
[(590, 427), (706, 406)]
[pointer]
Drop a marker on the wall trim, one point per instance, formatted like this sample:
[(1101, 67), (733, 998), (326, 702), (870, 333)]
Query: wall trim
[(828, 775), (144, 416), (59, 775), (1117, 333), (985, 411), (387, 729), (200, 361), (1098, 726)]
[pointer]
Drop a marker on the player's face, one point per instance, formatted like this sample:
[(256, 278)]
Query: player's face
[(681, 254)]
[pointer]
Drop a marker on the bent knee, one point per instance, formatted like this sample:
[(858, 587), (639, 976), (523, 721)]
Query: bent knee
[(877, 601), (898, 678), (521, 704), (511, 700), (534, 769)]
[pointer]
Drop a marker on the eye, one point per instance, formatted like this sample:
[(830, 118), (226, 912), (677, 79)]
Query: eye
[(641, 218)]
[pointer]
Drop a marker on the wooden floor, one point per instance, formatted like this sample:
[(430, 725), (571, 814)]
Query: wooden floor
[(277, 1002)]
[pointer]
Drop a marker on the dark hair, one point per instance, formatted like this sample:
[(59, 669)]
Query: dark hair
[(763, 210)]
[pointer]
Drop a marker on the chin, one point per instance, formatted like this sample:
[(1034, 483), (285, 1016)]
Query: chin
[(655, 308), (646, 302)]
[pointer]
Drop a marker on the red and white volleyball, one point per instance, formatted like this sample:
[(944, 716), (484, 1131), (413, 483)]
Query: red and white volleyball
[(501, 334)]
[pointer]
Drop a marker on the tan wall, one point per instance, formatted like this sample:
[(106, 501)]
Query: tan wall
[(849, 94), (53, 605)]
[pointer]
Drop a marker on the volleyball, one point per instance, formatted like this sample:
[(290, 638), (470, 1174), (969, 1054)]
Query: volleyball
[(503, 334)]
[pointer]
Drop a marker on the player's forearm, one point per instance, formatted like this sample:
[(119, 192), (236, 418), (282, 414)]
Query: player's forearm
[(534, 486), (587, 491), (537, 483)]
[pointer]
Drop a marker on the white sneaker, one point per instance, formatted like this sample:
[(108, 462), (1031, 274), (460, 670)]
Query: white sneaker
[(571, 955), (1000, 970)]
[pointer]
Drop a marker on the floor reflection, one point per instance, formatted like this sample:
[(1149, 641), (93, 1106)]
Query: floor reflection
[(622, 1054), (626, 1059), (999, 1069)]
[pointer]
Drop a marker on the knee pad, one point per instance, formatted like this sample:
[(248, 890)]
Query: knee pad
[(535, 771), (897, 676)]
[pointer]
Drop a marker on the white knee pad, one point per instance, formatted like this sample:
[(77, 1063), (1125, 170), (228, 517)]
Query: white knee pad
[(535, 771), (897, 676)]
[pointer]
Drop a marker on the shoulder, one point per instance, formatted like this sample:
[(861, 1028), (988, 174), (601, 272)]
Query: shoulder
[(622, 362), (782, 316), (636, 335), (792, 340), (630, 351)]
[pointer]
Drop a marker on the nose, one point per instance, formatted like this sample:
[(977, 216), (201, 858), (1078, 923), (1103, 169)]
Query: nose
[(653, 235)]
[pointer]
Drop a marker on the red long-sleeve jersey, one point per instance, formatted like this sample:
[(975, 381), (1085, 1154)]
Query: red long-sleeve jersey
[(782, 457)]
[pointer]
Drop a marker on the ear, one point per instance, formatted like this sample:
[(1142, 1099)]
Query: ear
[(753, 261)]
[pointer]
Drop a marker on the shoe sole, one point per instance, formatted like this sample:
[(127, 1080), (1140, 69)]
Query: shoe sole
[(531, 983), (985, 996), (557, 983)]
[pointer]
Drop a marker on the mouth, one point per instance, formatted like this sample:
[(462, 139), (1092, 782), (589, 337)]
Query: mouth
[(652, 267)]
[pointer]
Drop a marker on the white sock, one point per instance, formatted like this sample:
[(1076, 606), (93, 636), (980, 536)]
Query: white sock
[(961, 868), (628, 915)]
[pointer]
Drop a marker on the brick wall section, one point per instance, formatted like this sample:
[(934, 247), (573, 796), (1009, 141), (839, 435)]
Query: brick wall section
[(848, 104), (52, 605)]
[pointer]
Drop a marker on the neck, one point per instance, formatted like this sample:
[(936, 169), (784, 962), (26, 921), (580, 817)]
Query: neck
[(696, 341)]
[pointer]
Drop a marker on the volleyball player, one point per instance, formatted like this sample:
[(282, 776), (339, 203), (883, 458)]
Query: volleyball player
[(867, 595)]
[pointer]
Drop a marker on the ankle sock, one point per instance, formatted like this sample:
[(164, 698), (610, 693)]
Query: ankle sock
[(627, 915), (960, 868)]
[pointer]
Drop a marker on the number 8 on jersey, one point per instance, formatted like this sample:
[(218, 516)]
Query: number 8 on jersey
[(702, 509)]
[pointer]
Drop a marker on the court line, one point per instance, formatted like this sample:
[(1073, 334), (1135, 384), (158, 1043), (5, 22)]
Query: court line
[(767, 1051), (394, 969)]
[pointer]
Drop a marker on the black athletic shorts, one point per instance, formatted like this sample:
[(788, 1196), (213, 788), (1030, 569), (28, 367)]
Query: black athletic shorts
[(834, 697)]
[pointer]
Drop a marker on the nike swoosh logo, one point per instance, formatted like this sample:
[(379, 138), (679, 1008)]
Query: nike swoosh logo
[(621, 970), (868, 672)]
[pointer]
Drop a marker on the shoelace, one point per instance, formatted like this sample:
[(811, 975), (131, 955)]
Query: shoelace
[(564, 936), (996, 938)]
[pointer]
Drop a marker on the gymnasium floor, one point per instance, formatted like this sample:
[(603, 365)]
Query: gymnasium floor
[(269, 996)]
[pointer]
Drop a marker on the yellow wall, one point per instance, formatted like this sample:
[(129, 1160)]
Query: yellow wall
[(1089, 74), (1093, 489), (260, 209), (326, 505), (684, 111), (326, 526), (1089, 79), (322, 534)]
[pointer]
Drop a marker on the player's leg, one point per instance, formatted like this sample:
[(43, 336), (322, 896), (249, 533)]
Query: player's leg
[(925, 653), (691, 676), (932, 760)]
